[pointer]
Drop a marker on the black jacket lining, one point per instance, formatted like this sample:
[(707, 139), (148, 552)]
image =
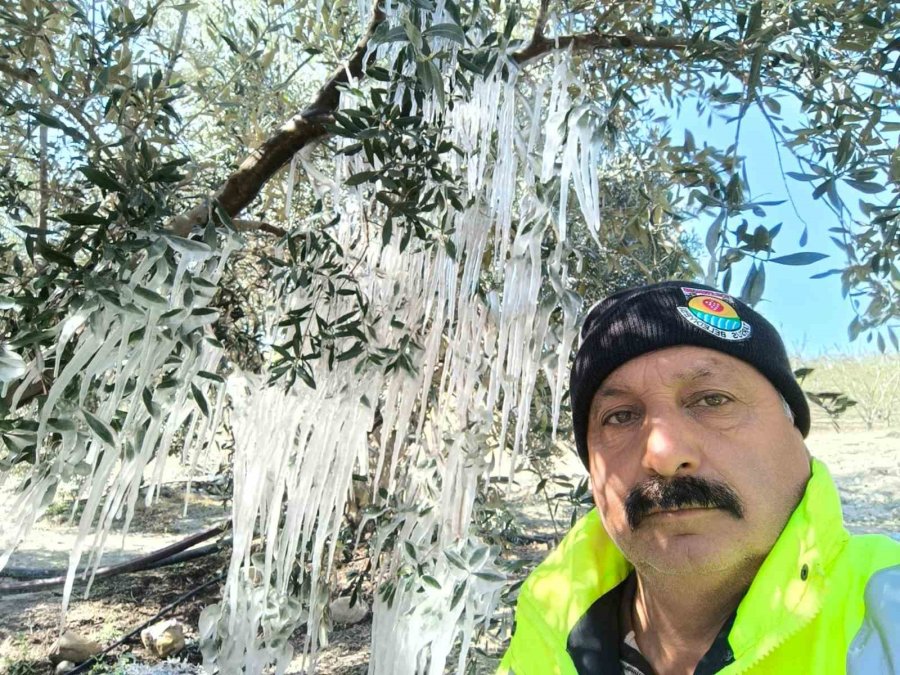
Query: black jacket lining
[(594, 642)]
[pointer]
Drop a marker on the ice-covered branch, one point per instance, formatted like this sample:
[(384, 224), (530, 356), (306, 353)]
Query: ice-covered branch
[(541, 46), (241, 187), (541, 21), (244, 225), (32, 391)]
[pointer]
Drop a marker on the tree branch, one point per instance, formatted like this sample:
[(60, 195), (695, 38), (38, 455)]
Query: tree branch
[(540, 22), (95, 659), (28, 76), (31, 392), (133, 565), (241, 187), (542, 46), (31, 77), (243, 225)]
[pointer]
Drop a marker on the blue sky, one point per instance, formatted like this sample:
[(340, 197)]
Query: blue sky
[(810, 313)]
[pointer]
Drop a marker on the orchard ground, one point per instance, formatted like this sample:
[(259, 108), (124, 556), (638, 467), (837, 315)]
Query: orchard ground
[(862, 457)]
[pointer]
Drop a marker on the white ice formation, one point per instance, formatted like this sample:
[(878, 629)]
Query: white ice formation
[(475, 360), (144, 369)]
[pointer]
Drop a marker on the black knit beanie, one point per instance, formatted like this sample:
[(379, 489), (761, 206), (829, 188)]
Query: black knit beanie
[(668, 314)]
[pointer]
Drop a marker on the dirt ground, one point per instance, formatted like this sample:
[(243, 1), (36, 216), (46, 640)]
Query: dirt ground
[(864, 464)]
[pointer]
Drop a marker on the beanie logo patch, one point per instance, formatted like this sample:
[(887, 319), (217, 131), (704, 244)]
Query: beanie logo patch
[(714, 313)]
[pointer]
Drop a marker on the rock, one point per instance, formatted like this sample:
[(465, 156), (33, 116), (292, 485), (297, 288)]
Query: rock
[(64, 667), (73, 647), (342, 612), (164, 638)]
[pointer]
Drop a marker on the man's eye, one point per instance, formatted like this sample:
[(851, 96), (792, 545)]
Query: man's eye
[(619, 417), (713, 400)]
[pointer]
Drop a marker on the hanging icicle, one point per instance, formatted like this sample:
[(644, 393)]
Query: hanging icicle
[(143, 365), (458, 324)]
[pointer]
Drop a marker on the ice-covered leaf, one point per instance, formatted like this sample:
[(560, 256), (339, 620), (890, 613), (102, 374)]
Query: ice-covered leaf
[(150, 298), (12, 365), (7, 303), (99, 427), (202, 316), (189, 247), (449, 31), (200, 399), (386, 34)]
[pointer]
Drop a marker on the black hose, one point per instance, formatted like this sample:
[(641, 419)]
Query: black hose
[(136, 565)]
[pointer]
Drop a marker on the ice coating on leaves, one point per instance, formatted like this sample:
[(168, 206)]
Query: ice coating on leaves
[(464, 354), (138, 347), (417, 409), (12, 367), (291, 476)]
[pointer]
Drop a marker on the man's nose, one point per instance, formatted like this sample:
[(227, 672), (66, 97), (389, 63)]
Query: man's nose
[(671, 447)]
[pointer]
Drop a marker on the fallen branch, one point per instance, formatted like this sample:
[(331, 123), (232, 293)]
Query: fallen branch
[(135, 565), (81, 667)]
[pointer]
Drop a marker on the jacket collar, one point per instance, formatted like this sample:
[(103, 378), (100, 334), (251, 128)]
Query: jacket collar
[(787, 592)]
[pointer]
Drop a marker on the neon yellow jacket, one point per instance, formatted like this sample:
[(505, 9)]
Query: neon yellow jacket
[(822, 602)]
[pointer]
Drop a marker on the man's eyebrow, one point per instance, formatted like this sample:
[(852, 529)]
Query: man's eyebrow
[(688, 375), (609, 392), (694, 374)]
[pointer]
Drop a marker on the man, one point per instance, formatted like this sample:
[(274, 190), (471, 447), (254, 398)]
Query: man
[(717, 544)]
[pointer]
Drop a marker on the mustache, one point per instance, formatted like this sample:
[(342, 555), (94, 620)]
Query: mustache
[(660, 494)]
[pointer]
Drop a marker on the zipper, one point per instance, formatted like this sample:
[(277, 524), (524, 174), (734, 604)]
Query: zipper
[(765, 654)]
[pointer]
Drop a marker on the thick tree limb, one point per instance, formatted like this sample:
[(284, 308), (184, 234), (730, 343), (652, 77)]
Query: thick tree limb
[(303, 129), (541, 21), (242, 225), (308, 127), (541, 46)]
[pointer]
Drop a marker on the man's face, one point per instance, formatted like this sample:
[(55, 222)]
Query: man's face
[(696, 447)]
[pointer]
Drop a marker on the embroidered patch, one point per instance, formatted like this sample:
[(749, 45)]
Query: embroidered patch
[(714, 313)]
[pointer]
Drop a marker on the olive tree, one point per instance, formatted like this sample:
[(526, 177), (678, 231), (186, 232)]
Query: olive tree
[(365, 233)]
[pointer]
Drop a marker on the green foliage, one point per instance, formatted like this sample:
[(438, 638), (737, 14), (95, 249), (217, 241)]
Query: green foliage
[(132, 133)]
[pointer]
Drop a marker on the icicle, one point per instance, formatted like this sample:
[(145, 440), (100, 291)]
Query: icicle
[(289, 183), (313, 440), (108, 350), (478, 348)]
